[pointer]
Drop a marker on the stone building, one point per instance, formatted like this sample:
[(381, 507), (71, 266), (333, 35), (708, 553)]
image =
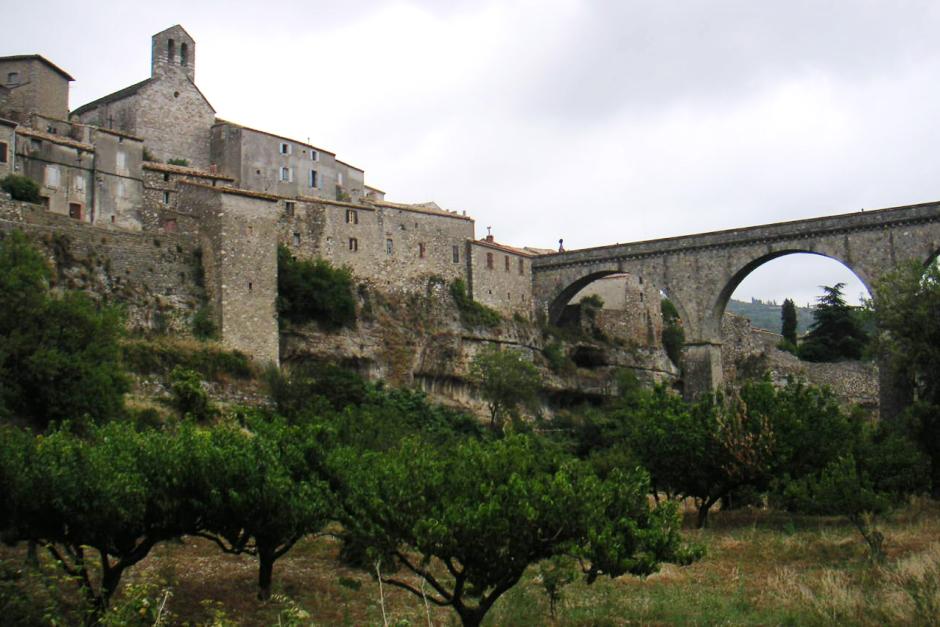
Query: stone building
[(501, 276), (32, 84), (167, 110), (7, 146), (241, 193), (631, 310)]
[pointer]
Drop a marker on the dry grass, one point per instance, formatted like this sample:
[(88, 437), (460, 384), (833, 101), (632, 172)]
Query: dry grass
[(761, 568)]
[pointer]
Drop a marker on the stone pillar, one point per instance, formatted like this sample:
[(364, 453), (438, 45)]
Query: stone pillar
[(701, 368)]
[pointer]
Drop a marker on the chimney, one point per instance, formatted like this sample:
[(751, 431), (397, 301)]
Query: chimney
[(489, 234)]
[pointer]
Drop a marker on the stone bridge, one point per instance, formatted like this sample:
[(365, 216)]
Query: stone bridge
[(700, 272)]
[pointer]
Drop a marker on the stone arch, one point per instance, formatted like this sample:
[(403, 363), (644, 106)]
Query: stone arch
[(561, 298), (712, 323)]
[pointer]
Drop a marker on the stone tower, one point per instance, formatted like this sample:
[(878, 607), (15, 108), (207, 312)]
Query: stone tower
[(173, 51)]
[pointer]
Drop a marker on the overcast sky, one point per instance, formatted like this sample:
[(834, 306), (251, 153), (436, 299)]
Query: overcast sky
[(598, 122)]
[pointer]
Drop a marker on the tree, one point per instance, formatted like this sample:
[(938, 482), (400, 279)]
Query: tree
[(905, 304), (116, 492), (264, 495), (788, 322), (469, 518), (314, 291), (716, 446), (59, 356), (880, 470), (836, 332), (506, 380)]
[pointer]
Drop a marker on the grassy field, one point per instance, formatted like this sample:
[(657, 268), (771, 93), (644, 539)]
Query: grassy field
[(762, 568)]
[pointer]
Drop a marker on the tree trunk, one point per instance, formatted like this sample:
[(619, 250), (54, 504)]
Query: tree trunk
[(32, 558), (265, 573), (702, 519)]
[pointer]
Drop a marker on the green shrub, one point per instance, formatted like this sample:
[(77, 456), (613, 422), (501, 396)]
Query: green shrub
[(161, 356), (177, 161), (204, 327), (558, 361), (20, 187), (189, 396), (314, 291), (472, 313)]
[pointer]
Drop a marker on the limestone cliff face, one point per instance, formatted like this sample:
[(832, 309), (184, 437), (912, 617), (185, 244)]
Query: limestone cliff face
[(419, 340)]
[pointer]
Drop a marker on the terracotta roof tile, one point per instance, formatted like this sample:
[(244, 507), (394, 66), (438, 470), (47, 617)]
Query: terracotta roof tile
[(419, 209), (504, 248)]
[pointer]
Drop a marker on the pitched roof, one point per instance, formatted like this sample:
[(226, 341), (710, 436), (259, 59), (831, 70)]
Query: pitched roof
[(5, 122), (37, 57), (422, 208), (111, 131), (349, 165), (233, 190), (112, 97), (221, 122), (185, 171), (504, 248), (55, 139)]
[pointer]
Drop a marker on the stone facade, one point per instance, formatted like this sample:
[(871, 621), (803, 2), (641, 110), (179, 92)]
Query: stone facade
[(238, 235), (279, 165), (32, 84), (501, 276), (7, 146), (167, 110), (154, 278), (63, 168), (161, 210), (631, 310)]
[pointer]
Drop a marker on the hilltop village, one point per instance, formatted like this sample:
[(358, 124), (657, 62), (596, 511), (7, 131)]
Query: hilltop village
[(152, 166)]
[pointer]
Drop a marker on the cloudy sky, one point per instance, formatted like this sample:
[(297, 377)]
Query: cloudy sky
[(598, 122)]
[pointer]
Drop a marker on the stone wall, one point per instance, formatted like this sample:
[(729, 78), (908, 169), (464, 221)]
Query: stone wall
[(747, 352), (118, 189), (238, 235), (501, 278), (40, 89), (631, 309), (155, 278), (7, 148)]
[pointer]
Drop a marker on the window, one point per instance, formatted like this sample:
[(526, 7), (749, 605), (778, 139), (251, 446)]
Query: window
[(35, 144), (249, 286), (51, 176), (289, 208), (287, 174), (170, 50), (13, 78), (4, 150), (184, 54), (352, 216), (166, 198), (285, 148), (78, 182), (75, 210), (389, 247), (314, 155), (421, 250), (354, 244), (456, 253), (166, 176), (339, 178), (489, 261), (506, 258), (296, 238), (521, 267), (121, 162), (313, 178)]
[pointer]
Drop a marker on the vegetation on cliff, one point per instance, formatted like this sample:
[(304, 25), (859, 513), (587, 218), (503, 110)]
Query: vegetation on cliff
[(314, 291)]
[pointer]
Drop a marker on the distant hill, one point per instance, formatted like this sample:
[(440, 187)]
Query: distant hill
[(765, 315)]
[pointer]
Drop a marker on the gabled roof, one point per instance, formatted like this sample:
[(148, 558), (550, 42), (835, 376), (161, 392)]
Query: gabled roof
[(118, 95), (221, 122), (504, 248), (128, 92), (419, 208), (37, 57), (55, 139)]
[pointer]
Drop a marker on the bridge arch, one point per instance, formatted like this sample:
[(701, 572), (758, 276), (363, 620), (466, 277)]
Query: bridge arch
[(557, 305), (712, 322)]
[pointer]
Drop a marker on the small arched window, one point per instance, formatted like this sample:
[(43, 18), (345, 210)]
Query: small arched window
[(170, 50), (184, 54)]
